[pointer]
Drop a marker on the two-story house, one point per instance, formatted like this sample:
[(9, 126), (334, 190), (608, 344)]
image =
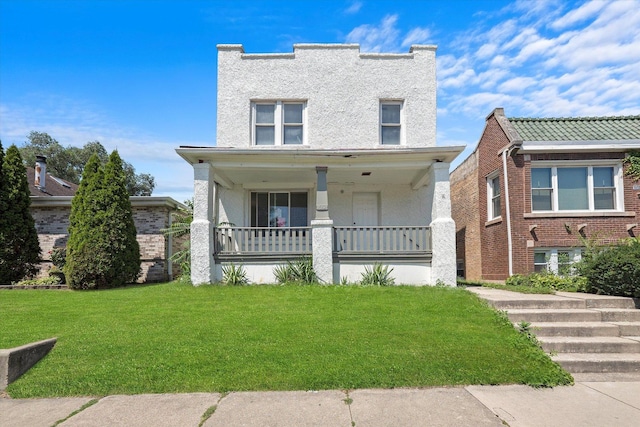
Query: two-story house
[(325, 152), (535, 190)]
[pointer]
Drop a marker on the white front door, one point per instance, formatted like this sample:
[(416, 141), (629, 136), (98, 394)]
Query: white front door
[(365, 209)]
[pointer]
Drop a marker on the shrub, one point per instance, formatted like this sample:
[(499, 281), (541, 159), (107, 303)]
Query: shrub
[(614, 270), (300, 271), (102, 250), (19, 246), (378, 275), (43, 281), (234, 275), (58, 256), (546, 281)]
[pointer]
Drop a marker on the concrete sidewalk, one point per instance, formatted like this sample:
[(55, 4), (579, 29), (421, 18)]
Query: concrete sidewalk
[(585, 404)]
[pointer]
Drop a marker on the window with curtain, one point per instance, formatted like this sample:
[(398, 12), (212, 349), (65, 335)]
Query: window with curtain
[(279, 209)]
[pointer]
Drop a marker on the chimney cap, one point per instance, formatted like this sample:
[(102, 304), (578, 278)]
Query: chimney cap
[(41, 159)]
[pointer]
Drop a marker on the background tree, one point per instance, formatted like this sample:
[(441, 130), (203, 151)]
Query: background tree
[(68, 162), (19, 246), (102, 250)]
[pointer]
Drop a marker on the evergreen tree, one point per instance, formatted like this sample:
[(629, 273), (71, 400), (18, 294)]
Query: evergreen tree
[(102, 250), (19, 245)]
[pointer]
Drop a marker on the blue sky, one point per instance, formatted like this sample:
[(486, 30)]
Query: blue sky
[(140, 76)]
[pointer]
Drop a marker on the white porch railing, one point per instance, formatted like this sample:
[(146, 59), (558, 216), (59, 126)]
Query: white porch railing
[(383, 239), (262, 240)]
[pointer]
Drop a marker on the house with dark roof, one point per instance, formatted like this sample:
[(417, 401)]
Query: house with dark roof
[(51, 206), (535, 189)]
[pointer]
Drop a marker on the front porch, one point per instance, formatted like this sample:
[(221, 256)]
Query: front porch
[(347, 209)]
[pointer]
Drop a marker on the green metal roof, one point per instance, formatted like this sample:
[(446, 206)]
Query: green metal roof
[(578, 128)]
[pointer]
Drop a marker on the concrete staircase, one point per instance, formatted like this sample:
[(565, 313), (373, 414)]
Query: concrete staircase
[(585, 333)]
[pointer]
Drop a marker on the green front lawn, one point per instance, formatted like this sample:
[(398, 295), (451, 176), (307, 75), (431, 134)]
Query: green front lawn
[(177, 338)]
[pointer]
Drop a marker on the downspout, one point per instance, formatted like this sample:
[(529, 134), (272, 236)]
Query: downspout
[(170, 248), (505, 153)]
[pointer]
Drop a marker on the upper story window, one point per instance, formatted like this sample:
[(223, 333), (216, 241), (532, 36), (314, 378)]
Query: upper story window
[(391, 122), (576, 188), (493, 197), (278, 123)]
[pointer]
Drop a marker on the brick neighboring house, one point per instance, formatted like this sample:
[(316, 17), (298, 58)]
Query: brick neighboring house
[(565, 183), (51, 206)]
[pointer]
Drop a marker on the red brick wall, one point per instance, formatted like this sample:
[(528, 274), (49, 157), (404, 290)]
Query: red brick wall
[(494, 248), (464, 196)]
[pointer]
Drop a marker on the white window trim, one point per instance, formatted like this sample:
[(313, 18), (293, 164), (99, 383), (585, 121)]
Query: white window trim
[(278, 117), (491, 215), (401, 125), (551, 255), (554, 165)]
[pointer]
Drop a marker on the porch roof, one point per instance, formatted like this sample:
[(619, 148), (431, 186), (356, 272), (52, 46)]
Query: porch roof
[(259, 167)]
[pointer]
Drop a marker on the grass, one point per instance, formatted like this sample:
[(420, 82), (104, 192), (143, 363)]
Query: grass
[(503, 286), (177, 338)]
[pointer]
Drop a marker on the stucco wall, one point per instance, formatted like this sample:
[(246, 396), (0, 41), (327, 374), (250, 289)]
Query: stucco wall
[(342, 87)]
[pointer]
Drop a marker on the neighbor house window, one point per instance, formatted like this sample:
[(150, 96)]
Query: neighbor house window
[(278, 122), (575, 188), (493, 197), (390, 122), (556, 260), (278, 209)]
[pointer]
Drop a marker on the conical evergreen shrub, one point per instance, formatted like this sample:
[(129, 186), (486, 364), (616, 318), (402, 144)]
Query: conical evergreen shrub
[(19, 245), (102, 250)]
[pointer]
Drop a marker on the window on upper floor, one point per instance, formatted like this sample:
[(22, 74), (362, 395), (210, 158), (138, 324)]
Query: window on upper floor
[(391, 122), (493, 196), (576, 188), (279, 209), (278, 122)]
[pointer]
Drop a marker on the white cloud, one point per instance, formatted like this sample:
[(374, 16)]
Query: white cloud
[(386, 37), (416, 36), (353, 8), (547, 61)]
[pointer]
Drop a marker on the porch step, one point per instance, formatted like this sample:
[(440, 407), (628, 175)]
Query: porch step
[(547, 303), (554, 315), (589, 345), (576, 329), (594, 362)]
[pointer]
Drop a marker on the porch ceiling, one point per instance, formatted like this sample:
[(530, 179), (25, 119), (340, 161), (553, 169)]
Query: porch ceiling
[(264, 167)]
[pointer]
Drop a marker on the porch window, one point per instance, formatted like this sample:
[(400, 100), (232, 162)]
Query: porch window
[(390, 122), (575, 188), (278, 123), (279, 209)]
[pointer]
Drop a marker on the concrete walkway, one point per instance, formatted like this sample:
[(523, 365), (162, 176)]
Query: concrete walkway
[(584, 404)]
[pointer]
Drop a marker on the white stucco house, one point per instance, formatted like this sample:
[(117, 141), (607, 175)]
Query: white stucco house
[(324, 152)]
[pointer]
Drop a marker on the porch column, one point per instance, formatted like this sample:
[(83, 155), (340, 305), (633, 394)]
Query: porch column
[(202, 262), (443, 228), (322, 230)]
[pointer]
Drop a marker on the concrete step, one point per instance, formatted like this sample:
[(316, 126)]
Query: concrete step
[(598, 362), (600, 301), (589, 345), (619, 314), (551, 302), (628, 328), (574, 329), (554, 315)]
